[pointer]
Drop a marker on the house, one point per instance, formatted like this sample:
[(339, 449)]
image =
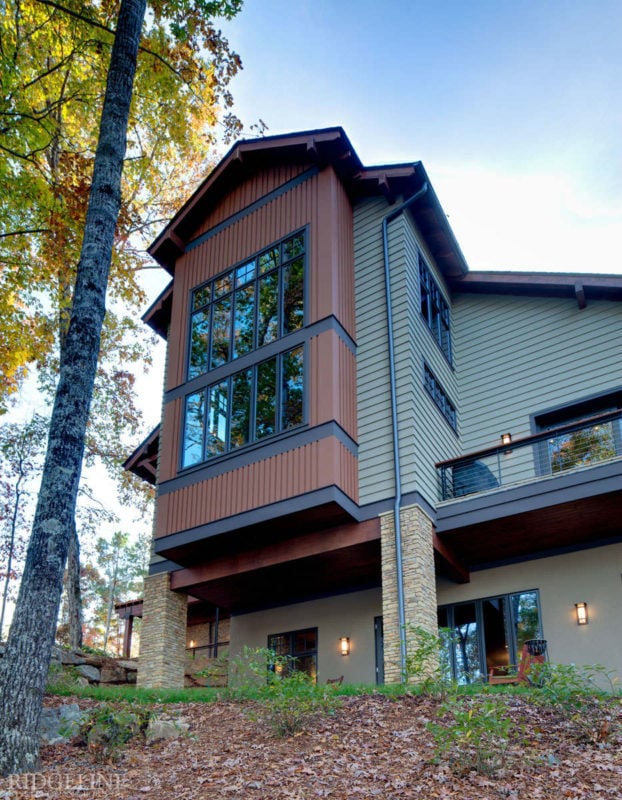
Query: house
[(333, 367)]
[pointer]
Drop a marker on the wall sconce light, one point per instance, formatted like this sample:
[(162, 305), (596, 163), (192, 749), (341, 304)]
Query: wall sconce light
[(581, 611), (506, 438), (192, 644), (344, 645)]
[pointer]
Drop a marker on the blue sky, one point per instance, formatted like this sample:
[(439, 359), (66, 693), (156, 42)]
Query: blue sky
[(514, 108)]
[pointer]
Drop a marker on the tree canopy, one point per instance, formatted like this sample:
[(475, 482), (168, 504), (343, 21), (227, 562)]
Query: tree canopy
[(53, 66)]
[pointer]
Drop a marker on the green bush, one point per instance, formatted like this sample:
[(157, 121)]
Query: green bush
[(427, 659), (584, 699), (474, 734), (287, 699)]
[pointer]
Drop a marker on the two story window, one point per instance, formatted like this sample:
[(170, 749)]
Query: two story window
[(236, 314)]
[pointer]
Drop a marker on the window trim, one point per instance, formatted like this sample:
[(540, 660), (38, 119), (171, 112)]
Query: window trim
[(441, 389), (444, 309), (589, 405), (231, 360), (514, 652), (314, 653), (253, 442)]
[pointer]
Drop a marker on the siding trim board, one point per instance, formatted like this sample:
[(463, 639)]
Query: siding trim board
[(258, 451), (282, 508)]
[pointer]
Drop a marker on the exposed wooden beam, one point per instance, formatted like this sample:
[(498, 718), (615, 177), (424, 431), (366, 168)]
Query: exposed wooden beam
[(456, 570), (292, 549), (579, 293)]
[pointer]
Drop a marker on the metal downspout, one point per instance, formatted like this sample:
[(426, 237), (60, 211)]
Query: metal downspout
[(396, 443)]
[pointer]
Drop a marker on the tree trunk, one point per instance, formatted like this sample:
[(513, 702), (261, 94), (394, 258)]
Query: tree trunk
[(74, 594), (23, 670)]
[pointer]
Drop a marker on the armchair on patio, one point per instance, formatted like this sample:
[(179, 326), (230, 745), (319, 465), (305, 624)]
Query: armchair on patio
[(533, 652)]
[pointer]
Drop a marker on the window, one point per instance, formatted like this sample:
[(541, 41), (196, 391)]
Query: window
[(262, 400), (299, 646), (248, 306), (588, 441), (437, 393), (434, 309), (488, 633)]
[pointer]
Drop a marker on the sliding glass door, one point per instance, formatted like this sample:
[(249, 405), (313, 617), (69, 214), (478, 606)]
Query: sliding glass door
[(488, 633)]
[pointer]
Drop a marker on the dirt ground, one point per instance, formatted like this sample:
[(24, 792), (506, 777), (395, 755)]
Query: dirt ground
[(371, 747)]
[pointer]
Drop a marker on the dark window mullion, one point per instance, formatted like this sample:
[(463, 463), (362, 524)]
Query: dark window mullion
[(279, 393), (206, 403), (253, 406)]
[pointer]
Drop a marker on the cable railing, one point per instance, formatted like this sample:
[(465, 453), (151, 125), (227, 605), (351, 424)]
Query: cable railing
[(575, 445), (208, 650)]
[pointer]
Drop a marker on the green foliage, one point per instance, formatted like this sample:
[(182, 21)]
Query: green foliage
[(62, 680), (474, 734), (584, 699), (427, 659), (289, 699), (107, 728)]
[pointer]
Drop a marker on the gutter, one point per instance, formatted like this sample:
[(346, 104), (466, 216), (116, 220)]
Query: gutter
[(396, 444)]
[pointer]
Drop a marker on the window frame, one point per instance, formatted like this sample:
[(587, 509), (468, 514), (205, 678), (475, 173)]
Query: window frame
[(511, 623), (231, 293), (437, 316), (443, 402), (253, 441), (581, 408), (312, 653)]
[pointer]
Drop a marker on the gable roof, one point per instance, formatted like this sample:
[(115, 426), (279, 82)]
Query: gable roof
[(319, 148)]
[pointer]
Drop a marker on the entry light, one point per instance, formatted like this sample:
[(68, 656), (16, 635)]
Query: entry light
[(581, 611), (506, 438), (344, 645)]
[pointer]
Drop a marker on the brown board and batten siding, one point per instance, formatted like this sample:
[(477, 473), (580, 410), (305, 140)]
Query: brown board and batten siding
[(262, 183), (319, 203), (314, 466)]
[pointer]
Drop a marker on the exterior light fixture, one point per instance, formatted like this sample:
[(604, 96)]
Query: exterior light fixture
[(193, 644), (581, 611), (506, 438), (344, 645)]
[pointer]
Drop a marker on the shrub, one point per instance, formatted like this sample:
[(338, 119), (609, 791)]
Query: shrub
[(582, 697), (427, 659), (287, 699), (474, 734)]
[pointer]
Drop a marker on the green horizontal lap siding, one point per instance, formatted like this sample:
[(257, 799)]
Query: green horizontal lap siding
[(432, 438), (518, 355), (425, 436), (374, 409)]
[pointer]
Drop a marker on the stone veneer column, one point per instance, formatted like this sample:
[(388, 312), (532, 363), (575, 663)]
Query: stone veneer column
[(419, 582), (162, 659)]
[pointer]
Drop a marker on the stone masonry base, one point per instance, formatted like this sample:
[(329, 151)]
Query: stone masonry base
[(419, 583), (163, 635)]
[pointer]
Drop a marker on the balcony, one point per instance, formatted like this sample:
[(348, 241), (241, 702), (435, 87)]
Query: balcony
[(567, 447), (556, 490)]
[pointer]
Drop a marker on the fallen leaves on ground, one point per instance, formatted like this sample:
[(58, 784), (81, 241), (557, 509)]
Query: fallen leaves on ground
[(371, 747)]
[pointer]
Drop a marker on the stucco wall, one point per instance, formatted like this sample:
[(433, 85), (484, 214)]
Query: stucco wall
[(591, 576), (344, 615)]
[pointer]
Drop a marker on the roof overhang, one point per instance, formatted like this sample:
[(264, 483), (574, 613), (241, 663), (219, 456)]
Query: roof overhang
[(319, 148), (581, 286), (144, 460)]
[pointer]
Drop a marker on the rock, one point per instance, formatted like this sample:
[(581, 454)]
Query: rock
[(71, 657), (130, 665), (82, 681), (92, 673), (159, 729), (112, 674), (58, 724)]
